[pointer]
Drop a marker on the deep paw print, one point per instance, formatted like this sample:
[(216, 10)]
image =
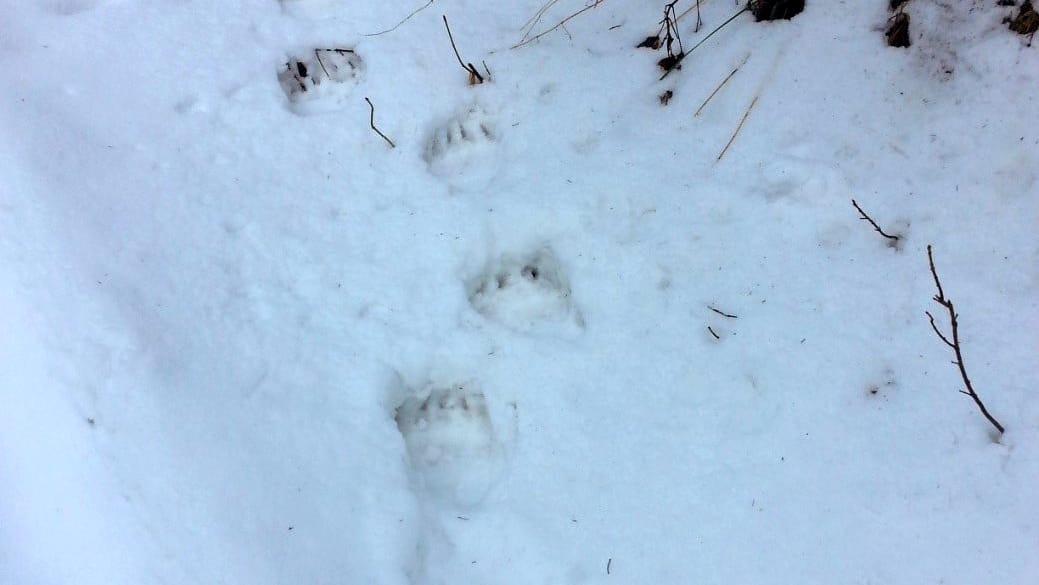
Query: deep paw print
[(454, 147), (522, 292), (451, 442), (321, 80)]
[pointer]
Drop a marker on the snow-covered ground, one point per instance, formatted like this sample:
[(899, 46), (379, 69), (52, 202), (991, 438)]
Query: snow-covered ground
[(245, 340)]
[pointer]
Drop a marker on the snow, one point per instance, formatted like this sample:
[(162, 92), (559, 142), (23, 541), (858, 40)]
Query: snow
[(248, 341)]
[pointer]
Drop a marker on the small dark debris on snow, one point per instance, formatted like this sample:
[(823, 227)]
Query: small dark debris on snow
[(776, 9), (896, 4), (898, 31), (1006, 3), (1027, 20), (301, 69), (651, 42), (671, 62), (665, 97)]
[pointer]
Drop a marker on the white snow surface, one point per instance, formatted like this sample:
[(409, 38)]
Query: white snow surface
[(245, 340)]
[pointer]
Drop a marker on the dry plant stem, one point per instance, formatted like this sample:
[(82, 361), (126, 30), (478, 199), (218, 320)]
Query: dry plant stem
[(451, 38), (716, 90), (696, 7), (320, 62), (866, 217), (716, 336), (536, 19), (371, 121), (738, 127), (670, 22), (474, 75), (704, 40), (406, 18), (559, 24), (941, 299), (722, 313)]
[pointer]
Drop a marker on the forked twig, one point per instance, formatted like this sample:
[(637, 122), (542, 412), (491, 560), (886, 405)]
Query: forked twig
[(536, 19), (704, 40), (669, 27), (669, 33), (942, 300), (371, 120), (653, 41), (558, 25), (738, 127)]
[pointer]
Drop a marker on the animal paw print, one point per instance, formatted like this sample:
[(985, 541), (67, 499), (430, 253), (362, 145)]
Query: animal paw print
[(522, 292), (451, 442), (321, 81), (453, 147)]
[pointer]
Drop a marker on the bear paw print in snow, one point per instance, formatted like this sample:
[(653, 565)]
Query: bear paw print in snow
[(451, 442), (462, 148), (320, 81), (522, 292)]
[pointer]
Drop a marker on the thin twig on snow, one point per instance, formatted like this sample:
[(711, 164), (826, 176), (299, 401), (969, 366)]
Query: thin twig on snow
[(866, 217), (946, 302), (371, 120)]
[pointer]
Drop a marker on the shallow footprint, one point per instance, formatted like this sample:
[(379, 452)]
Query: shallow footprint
[(452, 446), (522, 292), (462, 149)]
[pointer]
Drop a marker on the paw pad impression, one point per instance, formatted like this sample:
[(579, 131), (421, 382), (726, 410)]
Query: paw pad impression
[(452, 446), (462, 147), (320, 80), (521, 292)]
